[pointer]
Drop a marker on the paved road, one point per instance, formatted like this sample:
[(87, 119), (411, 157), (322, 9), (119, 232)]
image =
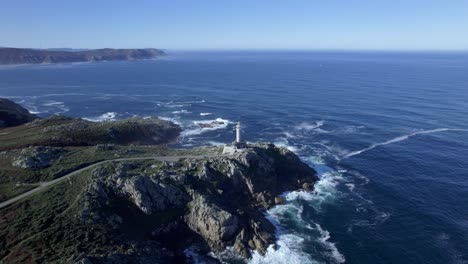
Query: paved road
[(45, 185)]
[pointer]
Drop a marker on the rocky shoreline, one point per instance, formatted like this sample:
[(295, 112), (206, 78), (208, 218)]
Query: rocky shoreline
[(215, 202), (135, 210)]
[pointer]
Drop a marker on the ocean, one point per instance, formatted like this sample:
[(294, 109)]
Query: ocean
[(386, 131)]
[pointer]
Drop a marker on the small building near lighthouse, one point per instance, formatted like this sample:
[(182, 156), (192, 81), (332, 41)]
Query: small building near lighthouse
[(237, 145)]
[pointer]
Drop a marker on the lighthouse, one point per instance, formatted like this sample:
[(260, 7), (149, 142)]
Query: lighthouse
[(238, 145), (238, 135)]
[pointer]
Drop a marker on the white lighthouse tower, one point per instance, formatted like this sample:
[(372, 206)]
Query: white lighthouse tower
[(237, 145), (238, 133)]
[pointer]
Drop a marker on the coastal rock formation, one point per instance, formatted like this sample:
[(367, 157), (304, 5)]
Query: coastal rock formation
[(211, 124), (244, 183), (215, 202), (146, 193), (35, 56), (37, 157), (213, 223), (12, 114)]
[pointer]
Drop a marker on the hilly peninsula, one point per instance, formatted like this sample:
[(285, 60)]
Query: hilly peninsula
[(74, 191), (11, 56)]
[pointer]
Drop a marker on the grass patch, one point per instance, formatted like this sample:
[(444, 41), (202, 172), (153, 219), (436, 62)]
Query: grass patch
[(66, 131), (44, 226), (11, 190)]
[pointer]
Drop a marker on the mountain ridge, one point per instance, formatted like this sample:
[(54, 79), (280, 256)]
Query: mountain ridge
[(12, 56)]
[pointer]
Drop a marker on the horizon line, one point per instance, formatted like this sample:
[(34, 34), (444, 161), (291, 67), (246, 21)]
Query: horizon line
[(262, 49)]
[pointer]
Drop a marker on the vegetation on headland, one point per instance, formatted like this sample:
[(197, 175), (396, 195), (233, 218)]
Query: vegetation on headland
[(61, 131), (135, 211)]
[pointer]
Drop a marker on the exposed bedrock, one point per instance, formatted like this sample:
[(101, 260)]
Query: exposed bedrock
[(220, 201)]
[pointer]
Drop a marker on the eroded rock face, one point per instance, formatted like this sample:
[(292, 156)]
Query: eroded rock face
[(213, 223), (37, 157), (152, 196), (243, 183), (222, 197), (148, 194), (263, 171)]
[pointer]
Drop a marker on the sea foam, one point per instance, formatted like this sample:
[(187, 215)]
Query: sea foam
[(218, 123), (292, 240), (309, 126), (109, 116)]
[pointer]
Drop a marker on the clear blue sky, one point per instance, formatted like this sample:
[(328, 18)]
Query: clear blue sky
[(236, 24)]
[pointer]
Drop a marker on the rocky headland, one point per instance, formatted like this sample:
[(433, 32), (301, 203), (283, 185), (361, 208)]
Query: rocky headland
[(143, 209), (9, 56), (13, 114), (214, 203)]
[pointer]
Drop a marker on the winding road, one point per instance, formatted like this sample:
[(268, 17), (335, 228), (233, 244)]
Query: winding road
[(48, 184)]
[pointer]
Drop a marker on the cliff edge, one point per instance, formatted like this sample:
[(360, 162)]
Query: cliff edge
[(13, 114), (212, 203)]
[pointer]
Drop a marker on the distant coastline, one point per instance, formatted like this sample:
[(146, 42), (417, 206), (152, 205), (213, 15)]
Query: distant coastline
[(12, 56)]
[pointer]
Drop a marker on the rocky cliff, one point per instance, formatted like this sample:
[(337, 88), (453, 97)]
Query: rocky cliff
[(35, 56), (212, 203), (12, 114)]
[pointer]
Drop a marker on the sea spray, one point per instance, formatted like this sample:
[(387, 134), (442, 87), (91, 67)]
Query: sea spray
[(295, 235), (109, 116), (215, 124)]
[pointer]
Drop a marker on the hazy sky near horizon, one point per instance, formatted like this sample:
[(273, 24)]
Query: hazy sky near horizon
[(240, 24)]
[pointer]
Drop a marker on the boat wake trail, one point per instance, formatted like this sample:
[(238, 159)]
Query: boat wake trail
[(400, 138)]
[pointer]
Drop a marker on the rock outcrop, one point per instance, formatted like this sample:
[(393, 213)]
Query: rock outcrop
[(13, 114), (149, 194), (37, 157), (213, 223), (217, 202)]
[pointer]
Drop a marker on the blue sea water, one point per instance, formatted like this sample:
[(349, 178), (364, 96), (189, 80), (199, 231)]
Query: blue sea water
[(387, 132)]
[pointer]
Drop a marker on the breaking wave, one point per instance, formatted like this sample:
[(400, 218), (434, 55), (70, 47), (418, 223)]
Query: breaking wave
[(56, 105), (199, 127), (288, 251), (309, 126), (294, 240), (109, 116), (183, 111)]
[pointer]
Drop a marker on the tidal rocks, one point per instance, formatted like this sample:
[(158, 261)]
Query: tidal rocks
[(211, 124), (280, 200), (308, 186), (37, 157)]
